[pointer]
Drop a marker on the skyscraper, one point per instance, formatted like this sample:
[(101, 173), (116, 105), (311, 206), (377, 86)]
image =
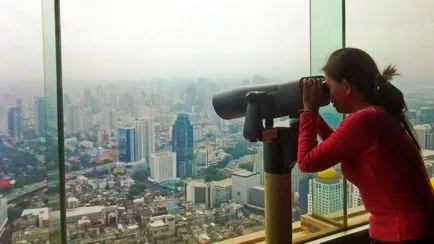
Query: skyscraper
[(326, 193), (144, 144), (127, 144), (110, 118), (182, 144), (73, 119), (258, 166), (139, 145), (149, 139), (425, 136), (163, 166), (40, 116), (3, 214), (15, 123)]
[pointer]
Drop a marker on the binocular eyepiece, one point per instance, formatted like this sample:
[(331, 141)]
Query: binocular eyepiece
[(275, 100)]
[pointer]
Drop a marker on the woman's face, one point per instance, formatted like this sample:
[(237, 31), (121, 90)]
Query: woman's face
[(338, 94)]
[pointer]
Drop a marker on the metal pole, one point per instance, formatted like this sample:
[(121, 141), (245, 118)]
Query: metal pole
[(278, 154)]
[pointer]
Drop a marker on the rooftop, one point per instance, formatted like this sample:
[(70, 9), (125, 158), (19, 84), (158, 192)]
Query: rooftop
[(427, 153), (244, 173), (157, 223), (41, 212), (224, 183)]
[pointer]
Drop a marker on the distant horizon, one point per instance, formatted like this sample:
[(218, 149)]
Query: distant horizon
[(225, 40)]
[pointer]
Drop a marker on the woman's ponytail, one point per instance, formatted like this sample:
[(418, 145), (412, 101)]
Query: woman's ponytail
[(392, 99)]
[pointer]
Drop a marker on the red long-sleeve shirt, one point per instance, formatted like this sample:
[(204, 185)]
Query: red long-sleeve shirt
[(379, 158)]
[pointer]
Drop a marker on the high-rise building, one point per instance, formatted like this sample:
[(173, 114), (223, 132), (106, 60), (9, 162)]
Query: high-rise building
[(139, 145), (354, 199), (258, 166), (73, 119), (303, 193), (3, 214), (425, 136), (242, 181), (103, 136), (127, 144), (149, 140), (110, 119), (15, 123), (296, 176), (40, 123), (182, 144), (19, 104), (325, 193), (163, 166)]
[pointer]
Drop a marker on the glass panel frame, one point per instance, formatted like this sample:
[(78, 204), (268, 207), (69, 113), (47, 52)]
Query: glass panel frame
[(54, 120), (327, 33)]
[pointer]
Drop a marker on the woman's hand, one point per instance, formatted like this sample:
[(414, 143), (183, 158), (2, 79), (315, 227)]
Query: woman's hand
[(313, 95)]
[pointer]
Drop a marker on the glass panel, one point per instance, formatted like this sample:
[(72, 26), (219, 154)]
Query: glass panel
[(147, 156), (403, 38), (54, 123), (28, 124), (321, 195)]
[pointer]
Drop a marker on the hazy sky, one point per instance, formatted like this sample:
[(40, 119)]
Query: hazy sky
[(107, 40)]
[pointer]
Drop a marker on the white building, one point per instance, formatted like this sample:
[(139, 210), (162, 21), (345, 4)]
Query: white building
[(3, 214), (425, 136), (354, 199), (162, 228), (163, 166), (242, 181), (325, 193), (200, 193), (258, 166)]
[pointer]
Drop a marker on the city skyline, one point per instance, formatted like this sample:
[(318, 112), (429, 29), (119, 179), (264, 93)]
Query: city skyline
[(146, 158), (127, 42)]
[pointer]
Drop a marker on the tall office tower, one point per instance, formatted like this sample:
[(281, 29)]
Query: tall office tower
[(127, 144), (258, 166), (73, 119), (15, 123), (40, 123), (149, 141), (182, 144), (139, 145), (325, 193), (110, 118), (425, 136), (3, 214)]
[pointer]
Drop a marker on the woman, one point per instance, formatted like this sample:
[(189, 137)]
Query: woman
[(375, 144)]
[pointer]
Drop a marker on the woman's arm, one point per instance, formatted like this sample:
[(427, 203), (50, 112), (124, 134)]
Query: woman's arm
[(350, 139), (323, 129)]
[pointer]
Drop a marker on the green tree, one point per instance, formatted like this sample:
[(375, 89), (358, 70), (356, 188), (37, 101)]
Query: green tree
[(248, 167), (137, 188), (140, 175)]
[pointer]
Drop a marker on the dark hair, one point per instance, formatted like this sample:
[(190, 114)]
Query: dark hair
[(361, 71)]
